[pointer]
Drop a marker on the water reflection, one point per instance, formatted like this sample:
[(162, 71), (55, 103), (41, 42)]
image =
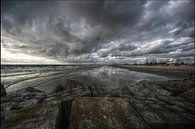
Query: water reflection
[(117, 77), (48, 78)]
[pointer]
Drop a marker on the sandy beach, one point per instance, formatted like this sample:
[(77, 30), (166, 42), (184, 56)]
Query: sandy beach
[(179, 72)]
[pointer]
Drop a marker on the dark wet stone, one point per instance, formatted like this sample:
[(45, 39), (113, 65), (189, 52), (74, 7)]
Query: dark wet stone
[(177, 87), (22, 98), (189, 94), (3, 91), (192, 76), (166, 114), (64, 114), (104, 113), (147, 104), (79, 88), (58, 88), (158, 106), (95, 86), (147, 89), (30, 89), (142, 89), (42, 116), (120, 92)]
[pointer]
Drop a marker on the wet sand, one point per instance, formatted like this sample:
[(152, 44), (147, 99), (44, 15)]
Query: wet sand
[(47, 78), (178, 72)]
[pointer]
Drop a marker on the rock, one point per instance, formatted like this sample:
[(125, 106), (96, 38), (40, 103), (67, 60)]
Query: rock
[(42, 116), (104, 113), (58, 88), (142, 89), (192, 76), (64, 114), (72, 89), (144, 105), (120, 92), (3, 91), (94, 85), (48, 115), (22, 98), (158, 107), (31, 95), (147, 89), (78, 88), (189, 94), (177, 87), (164, 114), (30, 89)]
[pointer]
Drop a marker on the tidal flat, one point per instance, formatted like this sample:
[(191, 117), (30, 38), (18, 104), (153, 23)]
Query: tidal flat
[(96, 96)]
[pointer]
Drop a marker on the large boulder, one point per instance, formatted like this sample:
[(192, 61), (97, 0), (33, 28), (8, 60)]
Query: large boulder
[(147, 89), (41, 116), (166, 112), (20, 99), (92, 84), (177, 87), (142, 89), (104, 113), (3, 91), (75, 87), (158, 106)]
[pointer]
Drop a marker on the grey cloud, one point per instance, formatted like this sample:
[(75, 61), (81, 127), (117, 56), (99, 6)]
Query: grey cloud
[(68, 29)]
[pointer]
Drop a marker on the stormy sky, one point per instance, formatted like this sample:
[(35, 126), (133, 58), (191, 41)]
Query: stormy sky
[(110, 31)]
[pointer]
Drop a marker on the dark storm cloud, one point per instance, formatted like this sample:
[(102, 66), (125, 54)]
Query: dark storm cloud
[(90, 31), (109, 13)]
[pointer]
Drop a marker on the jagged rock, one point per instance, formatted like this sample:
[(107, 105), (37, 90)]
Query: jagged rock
[(141, 89), (177, 87), (157, 105), (149, 104), (21, 99), (42, 116), (147, 89), (166, 114), (94, 85), (189, 94), (3, 91), (104, 113), (72, 89), (58, 88), (75, 87), (29, 89), (120, 92)]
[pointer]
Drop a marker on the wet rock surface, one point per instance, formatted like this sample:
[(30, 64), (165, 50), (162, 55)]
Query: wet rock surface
[(21, 99), (81, 103), (189, 94), (42, 116), (90, 84), (3, 91), (58, 88), (177, 87), (158, 106), (104, 113)]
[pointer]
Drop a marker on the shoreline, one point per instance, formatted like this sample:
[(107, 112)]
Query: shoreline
[(178, 72)]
